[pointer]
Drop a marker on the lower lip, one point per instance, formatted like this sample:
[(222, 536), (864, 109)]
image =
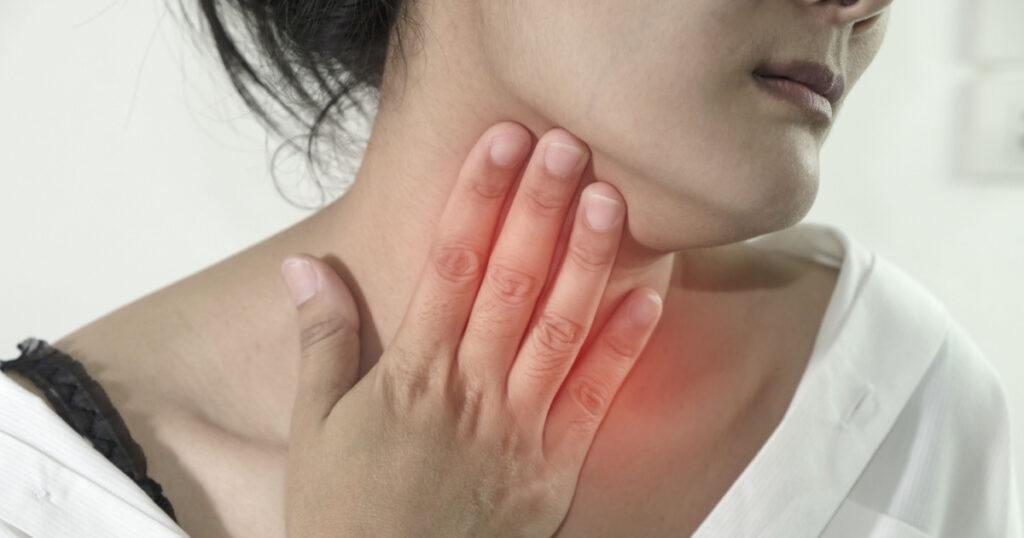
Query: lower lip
[(798, 94)]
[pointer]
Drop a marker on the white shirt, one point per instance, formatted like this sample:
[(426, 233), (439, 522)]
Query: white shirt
[(899, 428)]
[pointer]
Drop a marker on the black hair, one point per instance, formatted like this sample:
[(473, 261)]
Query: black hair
[(312, 58)]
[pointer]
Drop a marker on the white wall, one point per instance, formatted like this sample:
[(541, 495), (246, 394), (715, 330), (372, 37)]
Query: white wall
[(115, 137)]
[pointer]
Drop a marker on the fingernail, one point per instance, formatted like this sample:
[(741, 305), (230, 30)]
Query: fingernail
[(643, 312), (601, 211), (506, 149), (561, 159), (301, 279)]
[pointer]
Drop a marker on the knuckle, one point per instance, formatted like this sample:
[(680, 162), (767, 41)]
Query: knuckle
[(457, 262), (487, 187), (591, 395), (510, 286), (468, 402), (557, 334), (401, 354), (542, 202), (621, 347), (554, 340), (408, 380), (591, 258), (540, 501), (509, 444), (583, 426), (545, 366), (320, 330)]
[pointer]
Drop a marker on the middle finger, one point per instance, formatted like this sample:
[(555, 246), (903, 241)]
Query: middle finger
[(521, 258)]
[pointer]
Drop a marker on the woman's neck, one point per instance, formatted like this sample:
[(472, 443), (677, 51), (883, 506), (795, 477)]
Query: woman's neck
[(235, 316), (382, 228)]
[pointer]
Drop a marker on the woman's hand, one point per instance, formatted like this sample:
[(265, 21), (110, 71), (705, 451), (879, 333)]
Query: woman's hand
[(464, 427)]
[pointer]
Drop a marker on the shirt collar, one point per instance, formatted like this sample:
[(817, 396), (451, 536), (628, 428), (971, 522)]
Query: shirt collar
[(880, 332)]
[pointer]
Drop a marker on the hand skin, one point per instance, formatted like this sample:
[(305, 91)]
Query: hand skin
[(464, 427)]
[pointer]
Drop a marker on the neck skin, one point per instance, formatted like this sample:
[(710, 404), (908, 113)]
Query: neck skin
[(402, 206), (426, 124), (227, 336), (400, 193)]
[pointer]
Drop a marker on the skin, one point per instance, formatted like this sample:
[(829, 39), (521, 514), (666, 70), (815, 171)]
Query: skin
[(205, 370), (461, 429)]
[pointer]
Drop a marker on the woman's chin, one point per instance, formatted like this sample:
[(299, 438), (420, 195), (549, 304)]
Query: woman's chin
[(668, 222)]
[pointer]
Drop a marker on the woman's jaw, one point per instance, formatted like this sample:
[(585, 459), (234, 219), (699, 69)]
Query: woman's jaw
[(701, 155)]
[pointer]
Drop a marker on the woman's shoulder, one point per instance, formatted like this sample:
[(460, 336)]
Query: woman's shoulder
[(73, 488), (946, 466), (948, 455)]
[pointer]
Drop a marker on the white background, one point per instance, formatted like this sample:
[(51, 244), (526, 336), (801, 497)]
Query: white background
[(128, 163)]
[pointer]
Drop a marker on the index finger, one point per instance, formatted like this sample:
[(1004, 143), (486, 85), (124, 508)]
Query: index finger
[(448, 284)]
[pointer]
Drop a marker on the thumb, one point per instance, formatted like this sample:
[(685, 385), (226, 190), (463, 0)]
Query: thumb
[(328, 323)]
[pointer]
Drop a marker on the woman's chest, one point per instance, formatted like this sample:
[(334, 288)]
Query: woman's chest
[(662, 460), (687, 421), (652, 473), (692, 415)]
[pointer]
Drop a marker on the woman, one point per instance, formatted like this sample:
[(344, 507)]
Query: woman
[(796, 385)]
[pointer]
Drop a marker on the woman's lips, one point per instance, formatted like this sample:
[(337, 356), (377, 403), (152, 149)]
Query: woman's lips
[(807, 99)]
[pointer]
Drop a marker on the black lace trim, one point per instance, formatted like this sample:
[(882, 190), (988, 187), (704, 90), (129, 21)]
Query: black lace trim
[(84, 405)]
